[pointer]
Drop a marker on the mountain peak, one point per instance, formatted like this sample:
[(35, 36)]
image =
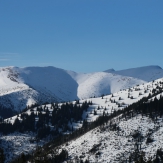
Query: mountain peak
[(145, 67), (110, 70)]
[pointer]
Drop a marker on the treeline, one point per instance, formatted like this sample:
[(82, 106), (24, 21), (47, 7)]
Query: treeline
[(40, 119)]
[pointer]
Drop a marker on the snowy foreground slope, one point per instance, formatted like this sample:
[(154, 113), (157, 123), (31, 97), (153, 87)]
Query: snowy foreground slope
[(105, 145), (20, 87), (111, 144)]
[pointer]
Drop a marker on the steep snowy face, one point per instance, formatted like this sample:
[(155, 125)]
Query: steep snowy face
[(8, 78), (147, 73), (51, 80), (13, 93)]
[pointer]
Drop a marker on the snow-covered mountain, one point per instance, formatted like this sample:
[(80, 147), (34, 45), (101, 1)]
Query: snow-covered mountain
[(147, 73), (29, 85), (20, 87), (110, 144)]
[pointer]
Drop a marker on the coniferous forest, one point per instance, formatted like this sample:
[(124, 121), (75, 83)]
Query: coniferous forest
[(40, 122)]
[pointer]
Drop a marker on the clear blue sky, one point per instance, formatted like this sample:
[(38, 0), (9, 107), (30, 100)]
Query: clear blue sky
[(81, 35)]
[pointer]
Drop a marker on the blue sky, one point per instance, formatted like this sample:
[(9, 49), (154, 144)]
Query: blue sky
[(81, 35)]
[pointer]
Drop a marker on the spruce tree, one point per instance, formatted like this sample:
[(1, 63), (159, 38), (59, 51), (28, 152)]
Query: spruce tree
[(2, 157)]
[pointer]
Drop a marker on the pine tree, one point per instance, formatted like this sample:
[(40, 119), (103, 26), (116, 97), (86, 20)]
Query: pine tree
[(2, 157)]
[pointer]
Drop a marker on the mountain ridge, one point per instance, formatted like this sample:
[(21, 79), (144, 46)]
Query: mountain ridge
[(147, 73), (20, 87)]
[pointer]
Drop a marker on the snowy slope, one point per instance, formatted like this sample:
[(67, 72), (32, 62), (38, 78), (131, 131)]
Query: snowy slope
[(98, 83), (111, 145), (20, 87), (147, 73), (16, 94)]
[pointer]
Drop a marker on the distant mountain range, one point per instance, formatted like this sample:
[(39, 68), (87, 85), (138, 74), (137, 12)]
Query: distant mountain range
[(146, 73), (20, 87)]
